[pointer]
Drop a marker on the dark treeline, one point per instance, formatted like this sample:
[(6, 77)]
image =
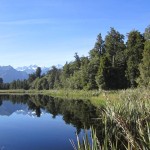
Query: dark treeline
[(111, 64)]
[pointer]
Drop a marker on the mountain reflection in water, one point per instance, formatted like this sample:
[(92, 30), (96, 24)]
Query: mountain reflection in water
[(43, 122)]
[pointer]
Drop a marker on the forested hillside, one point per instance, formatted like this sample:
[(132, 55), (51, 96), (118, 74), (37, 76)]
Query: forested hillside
[(113, 63)]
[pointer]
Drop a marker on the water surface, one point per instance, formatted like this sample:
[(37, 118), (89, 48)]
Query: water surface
[(42, 122)]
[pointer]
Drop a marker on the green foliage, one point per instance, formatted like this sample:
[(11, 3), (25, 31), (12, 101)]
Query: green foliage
[(114, 44), (93, 66), (1, 83), (17, 84), (135, 47), (100, 77), (53, 78), (65, 74), (147, 33), (111, 72), (38, 72), (31, 78), (77, 62), (114, 78), (75, 81), (144, 67), (92, 71), (99, 48), (42, 84), (124, 124), (99, 45), (84, 72), (110, 65), (85, 144)]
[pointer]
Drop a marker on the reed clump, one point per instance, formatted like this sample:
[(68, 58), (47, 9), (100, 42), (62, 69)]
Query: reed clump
[(125, 122)]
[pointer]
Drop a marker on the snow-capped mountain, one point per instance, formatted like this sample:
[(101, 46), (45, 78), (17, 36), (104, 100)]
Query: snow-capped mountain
[(32, 68), (8, 108), (28, 69), (28, 112), (8, 73)]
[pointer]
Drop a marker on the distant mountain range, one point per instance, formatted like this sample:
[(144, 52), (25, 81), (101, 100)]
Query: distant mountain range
[(8, 73), (32, 68)]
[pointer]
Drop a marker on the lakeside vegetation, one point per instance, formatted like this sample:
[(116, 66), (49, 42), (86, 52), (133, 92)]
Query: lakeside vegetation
[(96, 97), (113, 63), (122, 119), (115, 77), (125, 122), (122, 122)]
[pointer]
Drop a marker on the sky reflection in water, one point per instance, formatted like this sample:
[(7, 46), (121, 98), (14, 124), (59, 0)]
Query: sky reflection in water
[(21, 129)]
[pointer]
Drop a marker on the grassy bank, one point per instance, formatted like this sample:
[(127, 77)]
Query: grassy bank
[(96, 97), (19, 91)]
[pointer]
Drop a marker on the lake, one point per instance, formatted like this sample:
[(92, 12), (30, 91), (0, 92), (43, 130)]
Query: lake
[(40, 122)]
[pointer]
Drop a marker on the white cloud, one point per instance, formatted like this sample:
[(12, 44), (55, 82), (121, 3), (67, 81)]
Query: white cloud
[(28, 22)]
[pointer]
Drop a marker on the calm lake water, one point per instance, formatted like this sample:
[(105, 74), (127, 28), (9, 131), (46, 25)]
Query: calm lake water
[(42, 122)]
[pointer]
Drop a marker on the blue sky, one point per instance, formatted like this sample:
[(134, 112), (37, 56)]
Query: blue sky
[(49, 32)]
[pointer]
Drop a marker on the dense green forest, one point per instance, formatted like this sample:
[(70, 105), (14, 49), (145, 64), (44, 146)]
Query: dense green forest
[(113, 63)]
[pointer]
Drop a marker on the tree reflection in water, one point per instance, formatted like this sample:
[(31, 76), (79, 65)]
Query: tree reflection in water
[(79, 113)]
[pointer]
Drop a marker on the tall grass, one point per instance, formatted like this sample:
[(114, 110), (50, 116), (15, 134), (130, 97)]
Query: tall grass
[(126, 123), (87, 143)]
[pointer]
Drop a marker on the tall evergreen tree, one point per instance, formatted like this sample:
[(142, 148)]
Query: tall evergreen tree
[(114, 45), (135, 47), (38, 72), (77, 62), (1, 83), (53, 77), (84, 71), (98, 49), (94, 56), (113, 72), (65, 74), (66, 70), (144, 66), (101, 77)]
